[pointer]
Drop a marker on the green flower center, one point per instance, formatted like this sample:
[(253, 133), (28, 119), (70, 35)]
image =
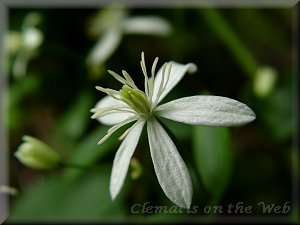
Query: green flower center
[(136, 99)]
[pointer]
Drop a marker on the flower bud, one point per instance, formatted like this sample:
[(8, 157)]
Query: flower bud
[(136, 167), (35, 154), (264, 81)]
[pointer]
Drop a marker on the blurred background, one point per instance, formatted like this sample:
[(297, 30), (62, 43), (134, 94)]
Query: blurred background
[(56, 57)]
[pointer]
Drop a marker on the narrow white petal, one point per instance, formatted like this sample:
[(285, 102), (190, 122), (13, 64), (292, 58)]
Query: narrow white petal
[(207, 110), (116, 117), (171, 171), (177, 73), (122, 158), (151, 25), (105, 47)]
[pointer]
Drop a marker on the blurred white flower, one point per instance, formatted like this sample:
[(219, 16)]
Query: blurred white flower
[(131, 104), (22, 46), (32, 38), (110, 26), (35, 154)]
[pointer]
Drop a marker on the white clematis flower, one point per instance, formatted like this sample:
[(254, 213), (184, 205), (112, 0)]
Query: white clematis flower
[(131, 104), (112, 23)]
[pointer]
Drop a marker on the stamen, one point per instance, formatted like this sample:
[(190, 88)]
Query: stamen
[(129, 79), (146, 86), (128, 102), (107, 90), (143, 66), (112, 93), (109, 110), (151, 88), (141, 104), (97, 109), (126, 133), (104, 138), (117, 77), (131, 105), (163, 83), (151, 80), (93, 110), (116, 127), (154, 67), (135, 99), (96, 115), (168, 75)]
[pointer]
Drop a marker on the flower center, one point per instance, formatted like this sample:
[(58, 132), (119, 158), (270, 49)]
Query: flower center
[(136, 99)]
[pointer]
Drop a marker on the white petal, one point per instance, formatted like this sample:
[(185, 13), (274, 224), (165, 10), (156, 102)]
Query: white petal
[(151, 25), (207, 110), (177, 72), (116, 117), (170, 169), (105, 47), (122, 158)]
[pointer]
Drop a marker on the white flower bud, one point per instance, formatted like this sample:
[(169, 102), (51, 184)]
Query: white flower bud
[(264, 81), (37, 155)]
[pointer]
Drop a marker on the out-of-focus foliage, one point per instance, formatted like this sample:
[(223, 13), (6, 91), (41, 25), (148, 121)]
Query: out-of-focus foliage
[(59, 199), (232, 49), (214, 158)]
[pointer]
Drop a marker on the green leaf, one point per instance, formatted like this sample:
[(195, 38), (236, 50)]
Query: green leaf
[(279, 123), (230, 39), (54, 198), (88, 152), (181, 131), (75, 120), (18, 91), (214, 159)]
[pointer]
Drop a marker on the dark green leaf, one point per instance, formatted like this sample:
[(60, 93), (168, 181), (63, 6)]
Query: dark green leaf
[(86, 198), (213, 158), (75, 120)]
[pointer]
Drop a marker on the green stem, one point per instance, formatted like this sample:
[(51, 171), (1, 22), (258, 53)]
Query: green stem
[(226, 34)]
